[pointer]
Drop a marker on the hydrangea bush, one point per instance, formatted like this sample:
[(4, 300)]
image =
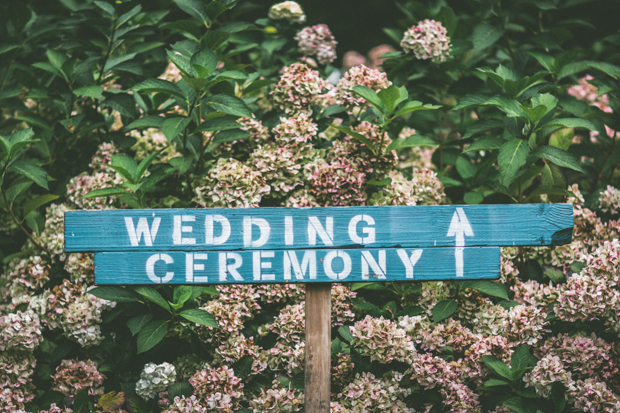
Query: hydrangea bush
[(192, 103)]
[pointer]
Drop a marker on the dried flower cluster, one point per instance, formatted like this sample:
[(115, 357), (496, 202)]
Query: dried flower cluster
[(427, 40)]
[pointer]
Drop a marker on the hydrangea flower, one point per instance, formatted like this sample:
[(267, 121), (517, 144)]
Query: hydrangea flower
[(155, 379), (73, 375), (277, 399), (383, 340), (548, 370), (360, 75), (317, 41), (186, 405), (427, 40), (70, 307), (218, 387), (369, 394), (609, 200), (288, 10), (231, 184), (20, 330), (298, 88)]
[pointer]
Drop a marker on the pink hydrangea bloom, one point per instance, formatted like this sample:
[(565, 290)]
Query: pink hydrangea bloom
[(73, 375), (277, 399), (186, 405), (317, 41), (383, 340), (20, 330), (218, 388), (427, 40), (298, 88), (360, 75)]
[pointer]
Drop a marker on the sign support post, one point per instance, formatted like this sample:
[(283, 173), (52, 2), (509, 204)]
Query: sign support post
[(317, 372)]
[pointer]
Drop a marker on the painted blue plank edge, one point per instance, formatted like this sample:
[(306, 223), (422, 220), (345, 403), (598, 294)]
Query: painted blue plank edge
[(309, 228), (296, 266)]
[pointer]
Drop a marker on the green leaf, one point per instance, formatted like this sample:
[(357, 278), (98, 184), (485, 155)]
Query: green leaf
[(17, 188), (182, 293), (444, 309), (485, 35), (135, 324), (180, 389), (201, 317), (391, 97), (495, 383), (410, 311), (557, 156), (356, 135), (382, 182), (182, 63), (204, 62), (511, 157), (370, 96), (32, 204), (520, 361), (30, 171), (103, 192), (562, 138), (173, 127), (194, 8), (125, 17), (116, 294), (413, 106), (557, 396), (89, 91), (548, 190), (411, 142), (126, 166), (151, 294), (345, 332), (112, 63), (485, 144), (568, 123), (517, 404), (145, 163), (544, 59), (487, 287), (552, 176), (159, 86), (465, 168), (473, 198), (151, 334), (497, 366), (108, 8), (80, 400), (556, 276), (146, 122), (218, 124), (228, 104), (231, 135)]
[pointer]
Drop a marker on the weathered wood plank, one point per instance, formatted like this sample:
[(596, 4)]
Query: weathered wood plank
[(296, 266), (308, 228), (318, 348)]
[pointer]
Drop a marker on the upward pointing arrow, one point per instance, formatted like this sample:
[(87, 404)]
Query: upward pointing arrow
[(459, 228)]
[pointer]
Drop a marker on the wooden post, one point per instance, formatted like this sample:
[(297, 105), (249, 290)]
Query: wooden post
[(318, 348)]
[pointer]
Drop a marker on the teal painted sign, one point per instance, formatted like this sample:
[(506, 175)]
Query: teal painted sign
[(338, 244)]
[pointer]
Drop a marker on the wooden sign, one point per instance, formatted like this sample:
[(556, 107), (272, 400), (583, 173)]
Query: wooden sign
[(310, 228), (316, 246), (309, 245)]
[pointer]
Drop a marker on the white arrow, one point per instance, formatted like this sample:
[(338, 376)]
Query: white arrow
[(459, 228)]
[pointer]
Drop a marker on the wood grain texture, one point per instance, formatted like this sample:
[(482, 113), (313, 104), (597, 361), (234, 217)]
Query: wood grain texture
[(295, 266), (317, 369), (308, 228)]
